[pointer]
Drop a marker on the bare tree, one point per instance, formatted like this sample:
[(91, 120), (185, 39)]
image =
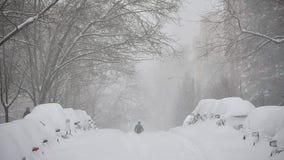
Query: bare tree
[(245, 41), (110, 32), (21, 26)]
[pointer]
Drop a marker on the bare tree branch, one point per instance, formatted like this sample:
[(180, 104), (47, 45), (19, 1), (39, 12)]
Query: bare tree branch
[(26, 23), (277, 39)]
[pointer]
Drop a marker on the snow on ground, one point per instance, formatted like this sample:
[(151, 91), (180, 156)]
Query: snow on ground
[(222, 143), (108, 144), (201, 141)]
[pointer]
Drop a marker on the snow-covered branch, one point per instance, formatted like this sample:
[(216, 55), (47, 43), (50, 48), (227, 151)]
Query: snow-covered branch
[(26, 23), (277, 39)]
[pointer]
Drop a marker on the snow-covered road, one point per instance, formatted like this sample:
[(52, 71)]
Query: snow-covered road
[(110, 144), (202, 141)]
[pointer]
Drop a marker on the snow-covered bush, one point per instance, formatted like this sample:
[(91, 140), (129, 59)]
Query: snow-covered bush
[(266, 120)]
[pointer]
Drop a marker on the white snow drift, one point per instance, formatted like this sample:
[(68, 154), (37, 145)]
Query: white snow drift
[(29, 137), (227, 107), (234, 110), (267, 120)]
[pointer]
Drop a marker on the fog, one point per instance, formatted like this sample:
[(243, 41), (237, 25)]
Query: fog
[(161, 80), (123, 64)]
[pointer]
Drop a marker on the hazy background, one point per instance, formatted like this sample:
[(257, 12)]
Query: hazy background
[(162, 80), (153, 67)]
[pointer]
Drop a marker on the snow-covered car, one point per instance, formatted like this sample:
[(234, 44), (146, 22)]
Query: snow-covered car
[(277, 143), (22, 138), (85, 121), (51, 116), (233, 107), (70, 115), (232, 111), (264, 122), (189, 120), (205, 107), (46, 124)]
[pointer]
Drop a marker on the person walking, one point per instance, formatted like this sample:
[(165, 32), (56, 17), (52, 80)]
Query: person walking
[(138, 128), (28, 111)]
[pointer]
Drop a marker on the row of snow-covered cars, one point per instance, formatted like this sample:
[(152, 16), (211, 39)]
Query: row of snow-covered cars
[(26, 139), (256, 123)]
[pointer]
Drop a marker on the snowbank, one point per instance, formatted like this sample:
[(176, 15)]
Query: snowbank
[(71, 115), (267, 120), (44, 125), (206, 106), (227, 107), (51, 115), (233, 106), (279, 136), (19, 137), (221, 143), (233, 110), (188, 120), (84, 119)]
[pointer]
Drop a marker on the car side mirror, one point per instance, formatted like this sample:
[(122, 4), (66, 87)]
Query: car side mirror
[(255, 134), (45, 141), (217, 116), (273, 143)]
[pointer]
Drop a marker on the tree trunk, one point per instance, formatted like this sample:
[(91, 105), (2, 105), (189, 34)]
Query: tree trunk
[(6, 109)]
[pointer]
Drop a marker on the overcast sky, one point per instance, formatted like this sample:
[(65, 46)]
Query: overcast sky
[(161, 91), (190, 13)]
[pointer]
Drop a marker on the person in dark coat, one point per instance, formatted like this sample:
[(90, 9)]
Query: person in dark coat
[(138, 128), (28, 111)]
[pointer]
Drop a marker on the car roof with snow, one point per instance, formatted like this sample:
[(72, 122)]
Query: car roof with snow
[(227, 107), (268, 120)]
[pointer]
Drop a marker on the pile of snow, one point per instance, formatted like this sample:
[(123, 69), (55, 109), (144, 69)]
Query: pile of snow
[(267, 120), (44, 125), (233, 106), (84, 119), (72, 116), (19, 137), (227, 107), (51, 115), (189, 120), (203, 141), (206, 106), (222, 143), (233, 110), (279, 137)]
